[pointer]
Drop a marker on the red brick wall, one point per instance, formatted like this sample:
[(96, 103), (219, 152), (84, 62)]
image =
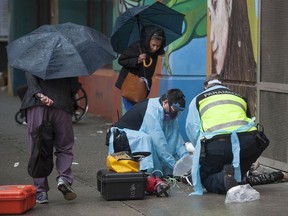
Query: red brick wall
[(103, 97)]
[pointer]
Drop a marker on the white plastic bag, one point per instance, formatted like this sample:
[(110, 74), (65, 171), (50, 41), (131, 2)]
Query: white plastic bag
[(241, 193), (183, 166)]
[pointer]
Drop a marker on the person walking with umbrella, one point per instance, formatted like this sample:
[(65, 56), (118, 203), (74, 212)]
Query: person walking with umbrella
[(140, 58), (53, 56), (55, 96)]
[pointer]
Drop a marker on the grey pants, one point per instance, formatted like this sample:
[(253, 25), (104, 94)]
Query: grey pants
[(63, 142)]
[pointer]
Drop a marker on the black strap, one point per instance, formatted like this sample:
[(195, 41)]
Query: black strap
[(45, 116)]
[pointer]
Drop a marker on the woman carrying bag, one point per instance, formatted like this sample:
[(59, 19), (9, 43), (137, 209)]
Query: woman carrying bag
[(140, 59)]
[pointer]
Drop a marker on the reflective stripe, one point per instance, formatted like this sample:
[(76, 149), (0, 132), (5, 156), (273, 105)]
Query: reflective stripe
[(228, 124), (221, 102)]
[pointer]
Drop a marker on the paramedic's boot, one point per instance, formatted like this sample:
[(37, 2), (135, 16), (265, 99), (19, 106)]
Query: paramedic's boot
[(254, 166), (265, 178), (66, 189), (229, 180), (187, 178)]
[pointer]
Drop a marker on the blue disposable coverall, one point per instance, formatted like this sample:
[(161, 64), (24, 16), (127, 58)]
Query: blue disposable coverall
[(147, 130)]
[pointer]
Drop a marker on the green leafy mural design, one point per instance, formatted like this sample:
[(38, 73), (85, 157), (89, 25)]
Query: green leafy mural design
[(195, 24)]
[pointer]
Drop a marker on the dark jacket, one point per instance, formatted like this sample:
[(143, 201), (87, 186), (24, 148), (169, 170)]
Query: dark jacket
[(133, 118), (59, 90), (129, 58)]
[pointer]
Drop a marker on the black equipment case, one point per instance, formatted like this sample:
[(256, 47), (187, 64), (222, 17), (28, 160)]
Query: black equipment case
[(121, 186)]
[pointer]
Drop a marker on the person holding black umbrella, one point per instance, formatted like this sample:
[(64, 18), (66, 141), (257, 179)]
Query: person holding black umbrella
[(140, 35), (141, 58), (53, 56), (55, 96)]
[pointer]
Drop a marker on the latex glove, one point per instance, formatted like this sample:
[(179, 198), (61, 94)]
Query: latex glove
[(189, 147)]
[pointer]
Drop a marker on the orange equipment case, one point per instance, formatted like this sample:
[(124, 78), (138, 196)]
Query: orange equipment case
[(17, 199)]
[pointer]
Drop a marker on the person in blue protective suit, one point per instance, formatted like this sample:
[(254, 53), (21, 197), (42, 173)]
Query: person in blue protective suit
[(225, 138), (152, 126)]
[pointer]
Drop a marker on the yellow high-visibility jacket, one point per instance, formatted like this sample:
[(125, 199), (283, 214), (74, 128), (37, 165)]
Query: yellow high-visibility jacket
[(222, 110)]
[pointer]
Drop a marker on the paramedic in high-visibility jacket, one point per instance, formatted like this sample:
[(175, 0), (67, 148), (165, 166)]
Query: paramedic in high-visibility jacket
[(224, 135)]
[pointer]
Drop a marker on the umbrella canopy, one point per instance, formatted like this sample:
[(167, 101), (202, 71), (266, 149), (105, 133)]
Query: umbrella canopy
[(58, 51), (128, 26)]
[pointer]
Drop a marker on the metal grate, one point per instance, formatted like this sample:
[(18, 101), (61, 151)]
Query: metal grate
[(273, 108), (274, 41)]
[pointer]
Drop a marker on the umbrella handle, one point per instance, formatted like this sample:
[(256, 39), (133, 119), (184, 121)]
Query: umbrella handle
[(149, 64), (144, 62)]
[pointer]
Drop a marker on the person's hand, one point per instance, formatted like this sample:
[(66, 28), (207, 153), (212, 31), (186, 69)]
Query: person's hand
[(45, 100), (141, 57)]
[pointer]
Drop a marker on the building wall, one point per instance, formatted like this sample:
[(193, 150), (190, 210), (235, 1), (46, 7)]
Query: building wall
[(24, 17), (254, 64), (232, 48), (21, 22), (4, 32), (272, 81)]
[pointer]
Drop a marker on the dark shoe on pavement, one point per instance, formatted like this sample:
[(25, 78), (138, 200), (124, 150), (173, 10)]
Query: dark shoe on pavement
[(41, 197), (265, 178), (66, 189), (187, 179), (229, 180)]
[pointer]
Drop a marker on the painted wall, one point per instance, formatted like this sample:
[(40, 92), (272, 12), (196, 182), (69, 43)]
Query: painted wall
[(233, 41), (185, 61)]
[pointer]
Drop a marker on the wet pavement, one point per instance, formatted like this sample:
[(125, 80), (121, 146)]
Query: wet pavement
[(90, 156)]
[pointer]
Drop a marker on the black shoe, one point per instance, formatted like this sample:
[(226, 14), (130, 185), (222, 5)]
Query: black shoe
[(66, 189), (229, 180), (187, 179), (265, 178)]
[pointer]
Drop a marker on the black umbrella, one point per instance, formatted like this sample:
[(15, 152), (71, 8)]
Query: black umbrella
[(63, 50), (128, 26)]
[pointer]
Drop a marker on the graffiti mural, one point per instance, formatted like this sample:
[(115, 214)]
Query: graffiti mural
[(122, 5), (232, 52), (191, 55)]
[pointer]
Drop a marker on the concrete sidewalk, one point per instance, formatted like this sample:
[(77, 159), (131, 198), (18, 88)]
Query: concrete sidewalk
[(90, 156)]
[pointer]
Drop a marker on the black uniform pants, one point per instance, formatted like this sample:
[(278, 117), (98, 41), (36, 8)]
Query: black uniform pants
[(219, 152)]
